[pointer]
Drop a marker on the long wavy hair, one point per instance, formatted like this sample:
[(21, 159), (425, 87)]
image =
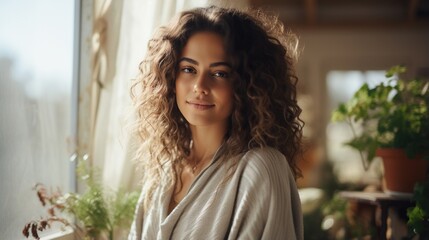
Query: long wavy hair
[(265, 111)]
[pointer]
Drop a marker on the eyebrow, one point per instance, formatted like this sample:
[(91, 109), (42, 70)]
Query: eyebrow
[(215, 64)]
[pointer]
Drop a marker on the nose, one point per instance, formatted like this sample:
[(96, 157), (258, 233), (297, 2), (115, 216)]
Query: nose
[(201, 85)]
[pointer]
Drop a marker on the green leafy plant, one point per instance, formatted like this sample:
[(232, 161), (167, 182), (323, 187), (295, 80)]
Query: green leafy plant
[(418, 216), (97, 212), (393, 114)]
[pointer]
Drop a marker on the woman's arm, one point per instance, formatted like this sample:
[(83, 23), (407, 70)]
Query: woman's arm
[(267, 205)]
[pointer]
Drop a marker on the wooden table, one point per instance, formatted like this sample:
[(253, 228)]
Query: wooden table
[(382, 200)]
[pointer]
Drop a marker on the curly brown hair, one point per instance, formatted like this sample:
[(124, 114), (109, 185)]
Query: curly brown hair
[(265, 111)]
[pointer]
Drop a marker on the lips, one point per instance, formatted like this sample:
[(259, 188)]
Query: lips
[(200, 105)]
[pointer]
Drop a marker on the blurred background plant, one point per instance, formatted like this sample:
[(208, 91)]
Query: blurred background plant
[(335, 217), (393, 114), (418, 215), (96, 214)]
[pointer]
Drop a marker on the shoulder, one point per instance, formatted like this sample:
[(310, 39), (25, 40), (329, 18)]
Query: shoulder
[(267, 198), (265, 165), (268, 153), (266, 159)]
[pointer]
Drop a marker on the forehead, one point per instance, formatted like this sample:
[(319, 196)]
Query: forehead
[(205, 46)]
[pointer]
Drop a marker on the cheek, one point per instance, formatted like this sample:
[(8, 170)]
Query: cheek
[(229, 98), (182, 92), (180, 89)]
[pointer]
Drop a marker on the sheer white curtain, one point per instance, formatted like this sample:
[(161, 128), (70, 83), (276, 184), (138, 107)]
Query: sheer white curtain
[(123, 29)]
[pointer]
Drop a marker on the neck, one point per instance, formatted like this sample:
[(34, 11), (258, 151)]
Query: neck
[(206, 141)]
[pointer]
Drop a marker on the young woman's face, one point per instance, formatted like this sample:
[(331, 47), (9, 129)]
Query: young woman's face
[(204, 93)]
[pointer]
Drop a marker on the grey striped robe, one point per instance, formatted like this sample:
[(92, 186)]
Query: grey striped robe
[(259, 201)]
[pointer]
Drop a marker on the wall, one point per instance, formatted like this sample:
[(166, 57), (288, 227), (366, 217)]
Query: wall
[(354, 49), (327, 49)]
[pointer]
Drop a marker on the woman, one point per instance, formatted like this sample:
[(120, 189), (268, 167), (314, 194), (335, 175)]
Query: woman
[(217, 110)]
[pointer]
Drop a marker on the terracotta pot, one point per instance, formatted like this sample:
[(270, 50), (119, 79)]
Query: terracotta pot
[(400, 172)]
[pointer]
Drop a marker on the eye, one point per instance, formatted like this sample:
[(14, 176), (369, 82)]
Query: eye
[(187, 70), (220, 74)]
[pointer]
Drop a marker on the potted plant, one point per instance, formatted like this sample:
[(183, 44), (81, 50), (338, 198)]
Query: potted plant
[(394, 121), (96, 214)]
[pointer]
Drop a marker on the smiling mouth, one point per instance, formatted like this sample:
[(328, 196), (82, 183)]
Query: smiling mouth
[(200, 106)]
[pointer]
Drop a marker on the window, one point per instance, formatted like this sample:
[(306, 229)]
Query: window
[(36, 65), (341, 86)]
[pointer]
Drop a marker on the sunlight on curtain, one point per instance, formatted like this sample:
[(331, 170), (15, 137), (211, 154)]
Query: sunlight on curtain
[(36, 53)]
